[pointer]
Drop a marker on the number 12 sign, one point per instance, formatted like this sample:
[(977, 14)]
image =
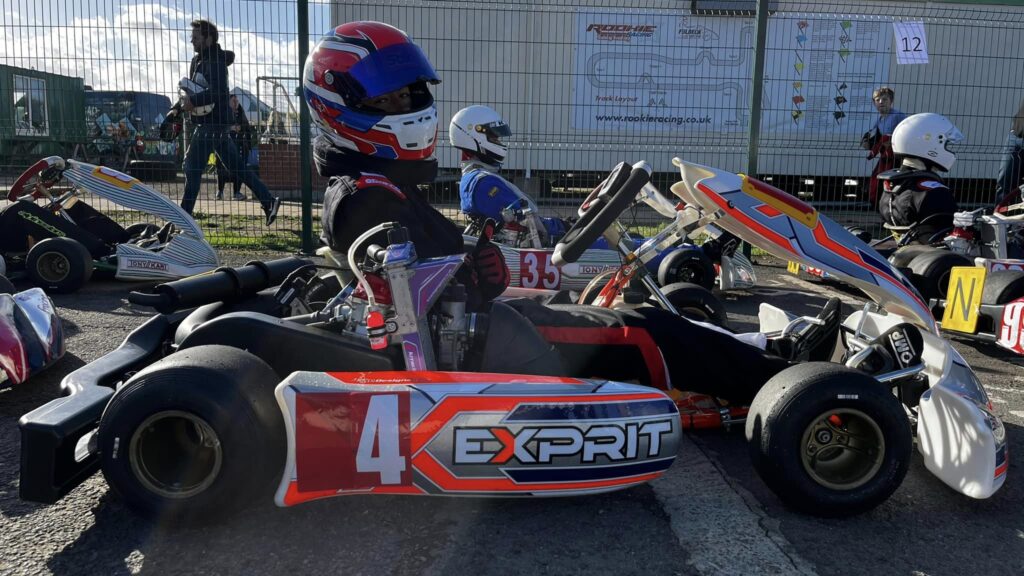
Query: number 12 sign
[(911, 43)]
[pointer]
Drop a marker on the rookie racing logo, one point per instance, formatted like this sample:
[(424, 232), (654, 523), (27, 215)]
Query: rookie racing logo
[(621, 32)]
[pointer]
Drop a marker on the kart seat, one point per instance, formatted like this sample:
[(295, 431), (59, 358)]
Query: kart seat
[(338, 261), (96, 223)]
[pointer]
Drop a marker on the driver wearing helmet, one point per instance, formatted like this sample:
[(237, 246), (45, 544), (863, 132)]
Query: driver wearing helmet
[(368, 87), (477, 131), (914, 194)]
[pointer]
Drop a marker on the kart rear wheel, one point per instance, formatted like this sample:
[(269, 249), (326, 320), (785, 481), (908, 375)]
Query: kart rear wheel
[(1003, 287), (696, 303), (904, 254), (828, 440), (6, 286), (687, 265), (195, 436), (59, 265), (930, 271)]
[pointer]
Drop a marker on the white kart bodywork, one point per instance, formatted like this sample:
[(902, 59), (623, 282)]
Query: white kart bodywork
[(184, 254), (960, 439)]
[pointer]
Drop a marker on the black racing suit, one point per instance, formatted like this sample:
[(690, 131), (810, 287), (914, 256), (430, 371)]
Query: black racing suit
[(917, 197), (648, 344)]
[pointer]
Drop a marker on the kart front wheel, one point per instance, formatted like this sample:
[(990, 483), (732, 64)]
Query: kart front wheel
[(828, 440), (195, 436), (696, 303), (687, 265), (61, 265)]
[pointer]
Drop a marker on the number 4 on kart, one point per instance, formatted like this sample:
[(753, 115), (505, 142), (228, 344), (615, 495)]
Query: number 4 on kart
[(372, 454)]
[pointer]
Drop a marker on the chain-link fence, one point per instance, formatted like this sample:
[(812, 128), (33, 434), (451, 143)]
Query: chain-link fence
[(583, 85)]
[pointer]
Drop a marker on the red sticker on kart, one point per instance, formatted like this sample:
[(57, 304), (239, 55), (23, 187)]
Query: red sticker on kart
[(1011, 330), (536, 270), (352, 441)]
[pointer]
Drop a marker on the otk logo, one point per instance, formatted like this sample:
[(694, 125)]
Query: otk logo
[(532, 445)]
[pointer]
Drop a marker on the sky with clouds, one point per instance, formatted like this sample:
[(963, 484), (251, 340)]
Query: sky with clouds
[(144, 44)]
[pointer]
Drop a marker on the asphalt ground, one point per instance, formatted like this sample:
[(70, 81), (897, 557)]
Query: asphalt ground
[(709, 514)]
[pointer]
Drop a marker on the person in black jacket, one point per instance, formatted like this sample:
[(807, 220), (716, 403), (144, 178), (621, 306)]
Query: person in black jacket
[(207, 103), (367, 86), (241, 133), (914, 194)]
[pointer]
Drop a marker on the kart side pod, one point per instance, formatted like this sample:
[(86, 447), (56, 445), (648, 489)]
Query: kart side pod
[(447, 433)]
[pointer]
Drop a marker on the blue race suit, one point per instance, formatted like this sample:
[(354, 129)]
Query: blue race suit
[(484, 194)]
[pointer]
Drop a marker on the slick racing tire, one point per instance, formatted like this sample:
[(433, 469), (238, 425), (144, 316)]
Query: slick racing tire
[(60, 265), (1003, 287), (696, 303), (828, 440), (687, 265), (903, 255), (195, 436), (6, 286), (929, 271)]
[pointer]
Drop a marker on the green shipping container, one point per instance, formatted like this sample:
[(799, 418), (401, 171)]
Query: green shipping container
[(41, 114)]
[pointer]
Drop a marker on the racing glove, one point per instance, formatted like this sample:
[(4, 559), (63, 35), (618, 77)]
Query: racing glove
[(490, 273)]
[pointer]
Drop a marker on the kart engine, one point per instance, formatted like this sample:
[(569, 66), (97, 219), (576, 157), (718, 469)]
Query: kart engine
[(453, 330)]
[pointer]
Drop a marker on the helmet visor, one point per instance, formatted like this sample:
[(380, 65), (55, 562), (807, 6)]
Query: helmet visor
[(494, 131), (387, 70)]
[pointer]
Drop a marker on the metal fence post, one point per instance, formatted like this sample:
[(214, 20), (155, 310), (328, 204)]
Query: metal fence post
[(305, 146), (757, 88)]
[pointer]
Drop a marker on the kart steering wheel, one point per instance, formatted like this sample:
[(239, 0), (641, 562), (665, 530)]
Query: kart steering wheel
[(598, 198), (600, 215), (38, 179)]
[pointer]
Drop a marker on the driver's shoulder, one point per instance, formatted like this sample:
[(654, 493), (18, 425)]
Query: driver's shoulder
[(366, 184)]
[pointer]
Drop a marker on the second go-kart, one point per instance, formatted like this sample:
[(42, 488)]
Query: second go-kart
[(980, 269), (716, 263), (391, 386), (59, 244)]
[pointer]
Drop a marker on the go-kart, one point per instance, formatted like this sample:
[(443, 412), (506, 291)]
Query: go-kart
[(981, 277), (31, 334), (237, 386), (59, 244), (528, 255)]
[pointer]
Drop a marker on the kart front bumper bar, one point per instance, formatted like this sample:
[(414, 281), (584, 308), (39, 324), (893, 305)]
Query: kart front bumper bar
[(52, 460)]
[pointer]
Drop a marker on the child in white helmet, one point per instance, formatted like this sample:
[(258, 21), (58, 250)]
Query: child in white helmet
[(478, 131), (913, 193)]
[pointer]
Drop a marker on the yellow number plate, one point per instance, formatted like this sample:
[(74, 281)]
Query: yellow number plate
[(963, 299)]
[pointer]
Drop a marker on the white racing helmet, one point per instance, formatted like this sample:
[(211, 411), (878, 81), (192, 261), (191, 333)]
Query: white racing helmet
[(479, 129), (928, 137), (189, 88)]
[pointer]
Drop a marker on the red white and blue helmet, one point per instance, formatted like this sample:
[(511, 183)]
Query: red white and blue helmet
[(361, 60)]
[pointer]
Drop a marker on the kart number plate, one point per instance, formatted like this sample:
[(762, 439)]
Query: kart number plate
[(352, 441), (963, 299), (537, 271), (1011, 332)]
